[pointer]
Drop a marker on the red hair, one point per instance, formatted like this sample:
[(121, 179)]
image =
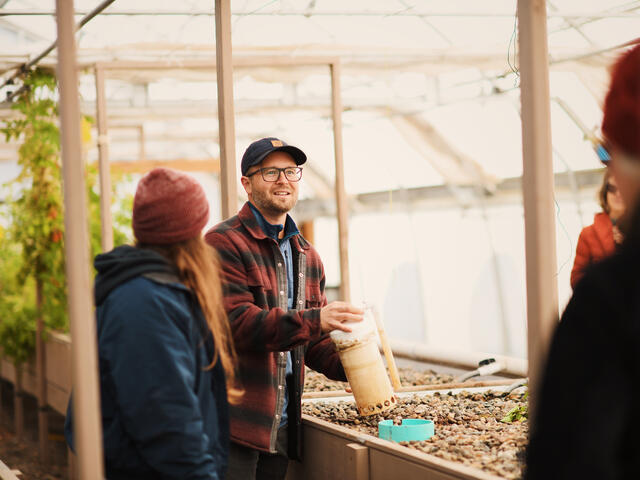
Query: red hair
[(621, 122)]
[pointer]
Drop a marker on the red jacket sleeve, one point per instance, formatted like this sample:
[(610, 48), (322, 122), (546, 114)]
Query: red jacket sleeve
[(583, 257)]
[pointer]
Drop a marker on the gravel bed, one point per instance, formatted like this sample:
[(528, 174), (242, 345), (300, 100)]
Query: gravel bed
[(468, 429), (316, 382)]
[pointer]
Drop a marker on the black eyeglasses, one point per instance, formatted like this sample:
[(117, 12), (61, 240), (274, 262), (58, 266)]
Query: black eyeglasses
[(272, 174)]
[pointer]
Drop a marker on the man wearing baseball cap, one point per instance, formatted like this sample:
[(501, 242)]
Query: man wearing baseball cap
[(278, 312)]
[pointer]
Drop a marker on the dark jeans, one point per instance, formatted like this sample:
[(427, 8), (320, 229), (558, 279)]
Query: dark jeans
[(248, 464)]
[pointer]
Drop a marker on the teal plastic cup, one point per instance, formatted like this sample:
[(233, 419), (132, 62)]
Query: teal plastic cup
[(411, 430)]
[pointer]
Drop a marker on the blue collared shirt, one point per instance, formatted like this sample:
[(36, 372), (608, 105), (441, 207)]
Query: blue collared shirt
[(272, 231)]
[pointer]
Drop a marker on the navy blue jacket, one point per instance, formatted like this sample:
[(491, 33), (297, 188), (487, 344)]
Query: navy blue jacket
[(164, 414)]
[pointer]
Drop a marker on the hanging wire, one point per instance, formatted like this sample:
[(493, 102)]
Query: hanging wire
[(514, 41), (426, 22), (26, 67), (180, 32), (252, 12), (566, 233)]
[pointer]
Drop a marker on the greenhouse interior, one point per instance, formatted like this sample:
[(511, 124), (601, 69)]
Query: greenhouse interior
[(451, 165)]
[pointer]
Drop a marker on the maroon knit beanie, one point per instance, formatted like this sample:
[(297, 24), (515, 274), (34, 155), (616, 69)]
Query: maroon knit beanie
[(621, 123), (169, 207)]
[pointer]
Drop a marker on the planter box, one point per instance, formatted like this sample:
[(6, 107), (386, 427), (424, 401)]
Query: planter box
[(332, 452), (58, 372)]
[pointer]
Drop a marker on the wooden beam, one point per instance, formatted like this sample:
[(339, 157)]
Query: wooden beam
[(357, 460), (439, 197), (184, 164), (7, 473), (106, 224), (341, 196), (226, 126), (86, 399), (307, 230), (537, 189), (41, 380), (284, 60), (18, 403)]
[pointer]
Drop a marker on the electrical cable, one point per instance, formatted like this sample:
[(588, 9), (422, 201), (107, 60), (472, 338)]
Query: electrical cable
[(488, 366), (513, 40), (564, 229)]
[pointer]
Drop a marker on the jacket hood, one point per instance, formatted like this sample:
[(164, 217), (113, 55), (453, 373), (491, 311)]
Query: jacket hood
[(124, 263)]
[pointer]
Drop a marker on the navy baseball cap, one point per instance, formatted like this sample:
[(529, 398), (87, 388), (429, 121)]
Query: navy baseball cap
[(258, 151)]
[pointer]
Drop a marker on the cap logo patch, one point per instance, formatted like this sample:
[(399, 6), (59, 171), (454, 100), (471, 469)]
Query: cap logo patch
[(276, 143)]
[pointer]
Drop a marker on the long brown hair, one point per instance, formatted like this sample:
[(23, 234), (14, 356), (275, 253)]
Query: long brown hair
[(602, 193), (199, 269)]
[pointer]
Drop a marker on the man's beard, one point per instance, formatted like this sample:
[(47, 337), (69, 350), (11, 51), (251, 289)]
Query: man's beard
[(265, 203)]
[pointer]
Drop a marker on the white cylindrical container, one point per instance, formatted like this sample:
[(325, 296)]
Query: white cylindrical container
[(363, 366)]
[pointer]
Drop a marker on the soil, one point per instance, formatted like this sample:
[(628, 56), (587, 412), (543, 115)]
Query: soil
[(468, 427), (22, 453), (316, 382)]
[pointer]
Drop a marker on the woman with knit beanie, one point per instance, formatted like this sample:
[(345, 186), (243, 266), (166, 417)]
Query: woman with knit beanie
[(603, 236), (165, 353), (586, 422)]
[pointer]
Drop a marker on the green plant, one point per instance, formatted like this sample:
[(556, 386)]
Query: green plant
[(17, 306), (519, 413), (34, 237)]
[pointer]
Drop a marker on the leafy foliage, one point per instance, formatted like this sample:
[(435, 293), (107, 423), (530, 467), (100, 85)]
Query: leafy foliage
[(17, 305), (34, 239), (517, 414)]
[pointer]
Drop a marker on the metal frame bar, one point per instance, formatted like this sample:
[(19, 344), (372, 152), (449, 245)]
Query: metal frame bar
[(41, 381), (236, 61), (86, 400), (341, 196), (573, 24), (537, 189), (106, 223), (335, 13), (31, 63), (226, 117)]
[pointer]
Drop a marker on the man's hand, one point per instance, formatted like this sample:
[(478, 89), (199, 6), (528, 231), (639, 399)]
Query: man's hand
[(334, 315)]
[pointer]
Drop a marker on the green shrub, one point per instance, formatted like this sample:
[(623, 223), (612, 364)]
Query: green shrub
[(33, 279)]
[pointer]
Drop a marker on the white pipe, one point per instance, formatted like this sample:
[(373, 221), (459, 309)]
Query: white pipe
[(456, 358)]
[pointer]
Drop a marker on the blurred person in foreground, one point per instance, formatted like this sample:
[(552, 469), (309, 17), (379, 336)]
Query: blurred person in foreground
[(587, 423), (165, 352), (278, 312), (600, 239)]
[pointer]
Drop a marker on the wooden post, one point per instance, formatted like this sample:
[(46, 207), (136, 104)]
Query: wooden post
[(342, 206), (537, 187), (386, 349), (72, 465), (141, 152), (226, 128), (103, 163), (357, 459), (86, 401), (307, 231), (41, 380), (18, 403)]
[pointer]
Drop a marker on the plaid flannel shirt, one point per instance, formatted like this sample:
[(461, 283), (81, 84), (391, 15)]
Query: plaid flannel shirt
[(264, 328)]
